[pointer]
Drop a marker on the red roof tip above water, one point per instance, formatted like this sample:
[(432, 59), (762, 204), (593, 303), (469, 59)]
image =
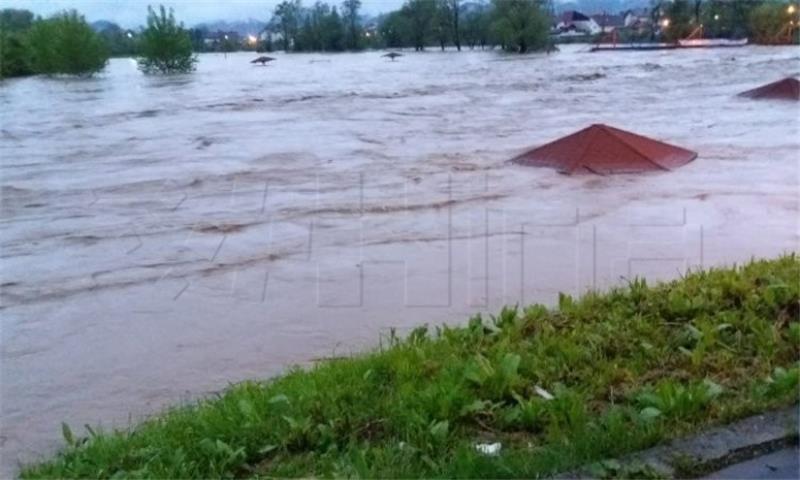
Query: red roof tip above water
[(786, 89), (603, 149)]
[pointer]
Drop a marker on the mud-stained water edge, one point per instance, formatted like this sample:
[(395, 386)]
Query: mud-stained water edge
[(162, 237)]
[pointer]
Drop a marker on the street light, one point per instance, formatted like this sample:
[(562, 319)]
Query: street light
[(791, 10), (716, 16), (665, 23)]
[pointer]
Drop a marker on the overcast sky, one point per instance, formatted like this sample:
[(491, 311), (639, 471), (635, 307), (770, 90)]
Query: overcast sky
[(132, 13)]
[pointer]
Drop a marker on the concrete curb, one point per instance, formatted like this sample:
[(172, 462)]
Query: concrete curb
[(707, 452)]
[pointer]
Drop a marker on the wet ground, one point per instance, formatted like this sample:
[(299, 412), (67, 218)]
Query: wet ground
[(162, 237)]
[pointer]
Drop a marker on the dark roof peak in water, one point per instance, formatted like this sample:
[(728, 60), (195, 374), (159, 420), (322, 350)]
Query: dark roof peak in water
[(785, 89), (603, 149)]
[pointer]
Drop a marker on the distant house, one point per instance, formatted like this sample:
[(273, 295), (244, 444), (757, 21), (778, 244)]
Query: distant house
[(573, 22), (608, 23), (636, 18)]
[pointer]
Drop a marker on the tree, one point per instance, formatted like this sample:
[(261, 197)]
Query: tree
[(198, 36), (13, 52), (420, 15), (165, 46), (520, 25), (350, 12), (455, 10), (680, 14), (395, 30), (66, 44), (477, 25), (15, 20), (287, 14), (120, 42), (13, 55), (317, 21), (334, 31), (769, 21), (443, 22)]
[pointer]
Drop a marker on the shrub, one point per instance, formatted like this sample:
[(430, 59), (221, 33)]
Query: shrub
[(166, 46), (66, 44), (13, 55)]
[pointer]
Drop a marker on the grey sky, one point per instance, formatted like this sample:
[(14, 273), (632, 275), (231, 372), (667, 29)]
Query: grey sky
[(131, 13)]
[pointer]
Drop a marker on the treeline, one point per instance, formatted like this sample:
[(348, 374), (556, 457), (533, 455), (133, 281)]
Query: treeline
[(762, 21), (514, 25), (65, 44)]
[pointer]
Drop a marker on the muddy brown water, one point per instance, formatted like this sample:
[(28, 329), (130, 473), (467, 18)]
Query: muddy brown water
[(162, 237)]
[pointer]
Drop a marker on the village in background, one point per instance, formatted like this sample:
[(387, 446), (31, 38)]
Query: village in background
[(444, 24)]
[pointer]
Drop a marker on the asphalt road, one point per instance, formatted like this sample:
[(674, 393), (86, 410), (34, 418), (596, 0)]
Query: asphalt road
[(780, 465)]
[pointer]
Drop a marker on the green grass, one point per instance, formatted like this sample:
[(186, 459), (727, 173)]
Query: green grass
[(595, 378)]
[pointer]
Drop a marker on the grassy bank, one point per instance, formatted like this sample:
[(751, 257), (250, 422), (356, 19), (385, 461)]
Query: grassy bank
[(594, 378)]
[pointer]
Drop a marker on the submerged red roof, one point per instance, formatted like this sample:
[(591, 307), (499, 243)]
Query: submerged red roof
[(786, 89), (603, 149)]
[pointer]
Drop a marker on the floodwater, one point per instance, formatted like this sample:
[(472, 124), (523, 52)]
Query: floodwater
[(162, 237)]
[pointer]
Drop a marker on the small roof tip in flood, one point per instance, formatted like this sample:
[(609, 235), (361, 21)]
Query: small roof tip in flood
[(602, 149), (785, 89), (263, 60), (392, 55)]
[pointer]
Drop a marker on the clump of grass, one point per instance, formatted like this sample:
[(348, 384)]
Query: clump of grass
[(595, 378)]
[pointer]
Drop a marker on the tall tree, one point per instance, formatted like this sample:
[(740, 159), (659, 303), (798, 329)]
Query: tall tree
[(350, 11), (443, 22), (287, 13), (420, 14), (334, 31), (455, 10), (477, 23), (520, 25), (395, 29), (165, 46), (680, 15)]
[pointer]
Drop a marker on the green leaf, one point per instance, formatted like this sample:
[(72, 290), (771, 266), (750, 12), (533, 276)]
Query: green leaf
[(280, 398), (649, 413), (267, 449), (510, 364), (246, 407), (439, 430), (712, 389), (474, 407), (66, 432)]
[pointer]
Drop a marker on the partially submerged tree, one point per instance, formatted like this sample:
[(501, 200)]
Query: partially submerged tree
[(477, 25), (13, 52), (165, 46), (287, 16), (520, 25), (455, 11), (350, 13), (66, 44), (420, 15)]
